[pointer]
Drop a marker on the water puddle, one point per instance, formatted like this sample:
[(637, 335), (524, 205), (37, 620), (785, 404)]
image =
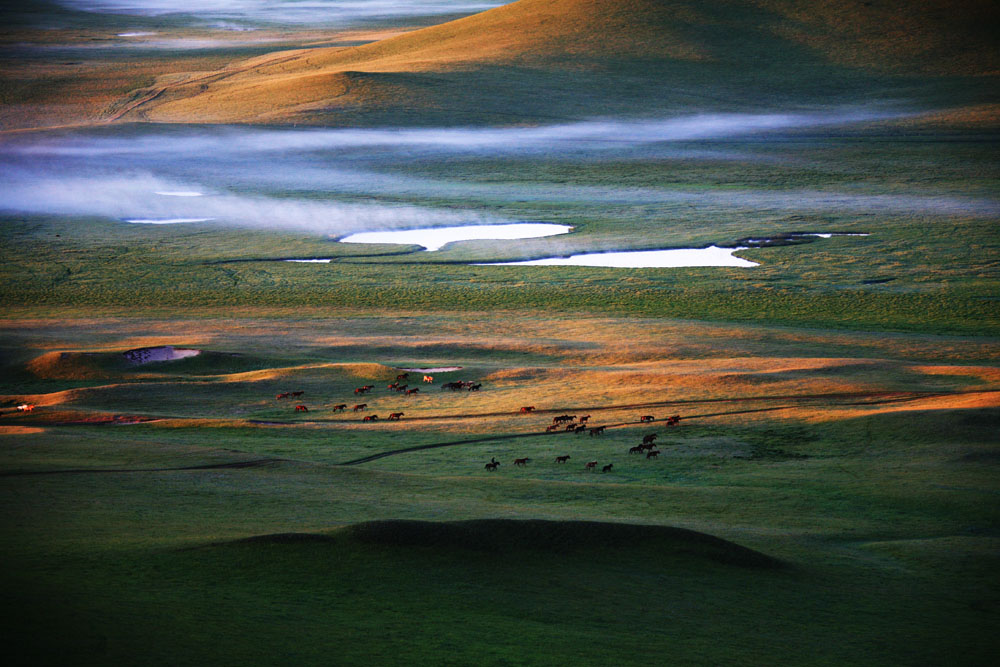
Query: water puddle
[(643, 259), (441, 369), (435, 238), (310, 261), (165, 221), (180, 193)]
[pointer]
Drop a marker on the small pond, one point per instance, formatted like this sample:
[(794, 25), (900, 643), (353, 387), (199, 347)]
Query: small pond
[(643, 259), (434, 238)]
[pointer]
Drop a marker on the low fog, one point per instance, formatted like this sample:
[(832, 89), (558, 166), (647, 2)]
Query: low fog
[(338, 182)]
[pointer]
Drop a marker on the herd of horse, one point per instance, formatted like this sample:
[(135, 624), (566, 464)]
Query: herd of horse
[(565, 422)]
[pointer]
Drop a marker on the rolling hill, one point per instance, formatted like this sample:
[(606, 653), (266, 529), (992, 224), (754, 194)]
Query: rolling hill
[(537, 59)]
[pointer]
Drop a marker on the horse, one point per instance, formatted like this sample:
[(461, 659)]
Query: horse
[(295, 394), (635, 450), (527, 408), (395, 416), (652, 454), (646, 439), (583, 419), (301, 408), (360, 407), (563, 418), (590, 465), (340, 407), (401, 388), (428, 378), (475, 387), (674, 420), (402, 376), (370, 418), (25, 407), (551, 427), (646, 418), (454, 386), (521, 462), (597, 430), (361, 390), (394, 385), (580, 428), (492, 465), (411, 392), (572, 427), (282, 395), (562, 459), (608, 467), (648, 446)]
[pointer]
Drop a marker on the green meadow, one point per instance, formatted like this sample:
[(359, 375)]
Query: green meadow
[(828, 497)]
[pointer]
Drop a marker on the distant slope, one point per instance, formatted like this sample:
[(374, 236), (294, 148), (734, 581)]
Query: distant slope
[(583, 54)]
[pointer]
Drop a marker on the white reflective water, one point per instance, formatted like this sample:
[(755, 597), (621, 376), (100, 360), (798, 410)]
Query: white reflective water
[(166, 221), (433, 238), (643, 259)]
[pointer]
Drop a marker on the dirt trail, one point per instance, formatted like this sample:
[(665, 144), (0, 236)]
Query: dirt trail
[(256, 463)]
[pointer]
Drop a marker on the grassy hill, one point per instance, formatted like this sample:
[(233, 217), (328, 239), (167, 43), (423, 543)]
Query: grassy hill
[(536, 59)]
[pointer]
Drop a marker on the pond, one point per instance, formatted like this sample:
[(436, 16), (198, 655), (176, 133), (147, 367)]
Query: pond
[(643, 259), (434, 238)]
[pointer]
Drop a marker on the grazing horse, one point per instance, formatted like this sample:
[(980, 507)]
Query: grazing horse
[(590, 465), (370, 418), (295, 394), (652, 454), (608, 467), (411, 392), (360, 407), (646, 439), (635, 450), (284, 394), (492, 465), (597, 430), (527, 408), (646, 418), (340, 407), (428, 378), (583, 419), (562, 459), (521, 462), (301, 408), (402, 376), (394, 417)]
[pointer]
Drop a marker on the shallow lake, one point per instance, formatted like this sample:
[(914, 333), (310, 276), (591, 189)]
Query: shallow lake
[(643, 259), (434, 238)]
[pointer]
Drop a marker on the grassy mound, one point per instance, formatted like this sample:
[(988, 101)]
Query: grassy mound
[(504, 536)]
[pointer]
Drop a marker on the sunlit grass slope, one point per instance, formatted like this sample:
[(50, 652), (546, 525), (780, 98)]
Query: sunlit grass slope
[(605, 56)]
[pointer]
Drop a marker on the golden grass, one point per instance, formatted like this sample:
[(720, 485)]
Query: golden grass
[(20, 430)]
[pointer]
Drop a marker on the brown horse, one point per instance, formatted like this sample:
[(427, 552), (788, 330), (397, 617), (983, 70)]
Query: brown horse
[(583, 419), (635, 450), (340, 407), (562, 459), (580, 429), (527, 408), (26, 407), (608, 467), (652, 454), (411, 392), (394, 417), (521, 462), (362, 390), (402, 376), (590, 465), (360, 407), (552, 427), (646, 418), (295, 394), (301, 408), (370, 418), (284, 394), (597, 430), (492, 465), (646, 439)]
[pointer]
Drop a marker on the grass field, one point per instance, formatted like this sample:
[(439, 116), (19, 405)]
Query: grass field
[(827, 498)]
